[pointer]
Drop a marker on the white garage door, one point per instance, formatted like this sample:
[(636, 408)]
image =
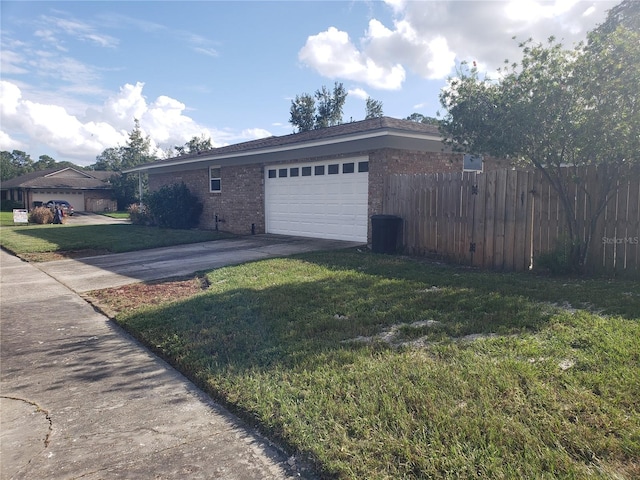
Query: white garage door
[(75, 199), (322, 199)]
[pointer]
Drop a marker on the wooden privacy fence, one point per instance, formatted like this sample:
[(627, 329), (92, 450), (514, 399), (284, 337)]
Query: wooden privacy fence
[(505, 219)]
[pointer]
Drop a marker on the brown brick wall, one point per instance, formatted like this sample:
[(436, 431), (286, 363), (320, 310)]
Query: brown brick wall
[(241, 201), (383, 163), (239, 204)]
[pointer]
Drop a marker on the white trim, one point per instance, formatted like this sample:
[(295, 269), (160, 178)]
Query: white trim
[(215, 178), (53, 174), (286, 148)]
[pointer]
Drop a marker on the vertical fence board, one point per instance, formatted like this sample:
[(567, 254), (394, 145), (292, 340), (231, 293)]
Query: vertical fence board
[(622, 233), (633, 258), (456, 185), (446, 234), (556, 221), (489, 224), (468, 198), (479, 217), (499, 219), (509, 242), (596, 250), (633, 219), (432, 199), (541, 217), (521, 222), (582, 201), (609, 233)]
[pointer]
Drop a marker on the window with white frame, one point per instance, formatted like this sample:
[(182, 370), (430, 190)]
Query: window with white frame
[(215, 182)]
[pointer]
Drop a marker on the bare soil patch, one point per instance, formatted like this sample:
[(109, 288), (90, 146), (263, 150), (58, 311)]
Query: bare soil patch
[(53, 256), (130, 297)]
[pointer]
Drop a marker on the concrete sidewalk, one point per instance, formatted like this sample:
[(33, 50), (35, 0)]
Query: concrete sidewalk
[(81, 399)]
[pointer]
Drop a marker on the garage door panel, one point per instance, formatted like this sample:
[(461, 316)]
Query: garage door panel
[(75, 199), (323, 206)]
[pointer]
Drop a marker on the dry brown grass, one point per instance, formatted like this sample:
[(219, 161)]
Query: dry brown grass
[(113, 301)]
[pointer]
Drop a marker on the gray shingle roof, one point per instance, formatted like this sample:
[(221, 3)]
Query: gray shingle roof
[(98, 180), (344, 130)]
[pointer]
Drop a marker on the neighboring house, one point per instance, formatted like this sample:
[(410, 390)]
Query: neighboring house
[(323, 183), (85, 191)]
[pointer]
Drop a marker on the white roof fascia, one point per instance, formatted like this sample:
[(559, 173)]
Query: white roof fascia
[(285, 148), (53, 174)]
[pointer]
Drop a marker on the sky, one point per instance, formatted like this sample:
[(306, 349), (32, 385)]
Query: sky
[(74, 76)]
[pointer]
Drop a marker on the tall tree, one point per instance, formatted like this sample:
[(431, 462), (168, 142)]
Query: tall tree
[(307, 114), (135, 152), (556, 108), (608, 74), (110, 159), (137, 149), (330, 105), (195, 145), (625, 14), (374, 108), (15, 163), (419, 118), (302, 112), (44, 162)]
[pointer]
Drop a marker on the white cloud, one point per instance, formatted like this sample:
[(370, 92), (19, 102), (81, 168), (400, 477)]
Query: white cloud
[(7, 143), (10, 63), (359, 93), (333, 55), (10, 97), (428, 37), (74, 28), (53, 126), (255, 133), (122, 108), (209, 52), (81, 137)]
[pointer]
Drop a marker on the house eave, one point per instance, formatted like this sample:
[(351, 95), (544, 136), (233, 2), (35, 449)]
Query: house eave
[(251, 155)]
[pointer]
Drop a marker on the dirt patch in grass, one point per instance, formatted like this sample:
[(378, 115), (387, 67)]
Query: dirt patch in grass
[(52, 256), (113, 301)]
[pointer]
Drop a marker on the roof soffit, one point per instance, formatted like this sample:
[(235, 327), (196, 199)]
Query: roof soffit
[(335, 145)]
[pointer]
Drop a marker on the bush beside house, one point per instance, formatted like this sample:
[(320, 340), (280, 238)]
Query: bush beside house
[(172, 206)]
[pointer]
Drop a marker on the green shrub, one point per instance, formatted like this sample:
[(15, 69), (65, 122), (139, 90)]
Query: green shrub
[(41, 215), (562, 260), (174, 206), (138, 214), (9, 205)]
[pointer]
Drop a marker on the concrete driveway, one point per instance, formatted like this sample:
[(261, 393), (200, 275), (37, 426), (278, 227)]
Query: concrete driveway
[(105, 271), (90, 218)]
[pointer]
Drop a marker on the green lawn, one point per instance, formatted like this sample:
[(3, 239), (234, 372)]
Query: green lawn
[(6, 219), (373, 366), (113, 238), (122, 215)]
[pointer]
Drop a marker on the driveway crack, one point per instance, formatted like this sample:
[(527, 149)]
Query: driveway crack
[(39, 409)]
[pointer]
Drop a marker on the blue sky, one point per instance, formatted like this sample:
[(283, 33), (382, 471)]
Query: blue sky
[(74, 75)]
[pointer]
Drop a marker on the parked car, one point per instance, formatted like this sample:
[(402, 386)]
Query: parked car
[(66, 207)]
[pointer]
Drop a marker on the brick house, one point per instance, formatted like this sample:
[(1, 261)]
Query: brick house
[(323, 183), (86, 191)]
